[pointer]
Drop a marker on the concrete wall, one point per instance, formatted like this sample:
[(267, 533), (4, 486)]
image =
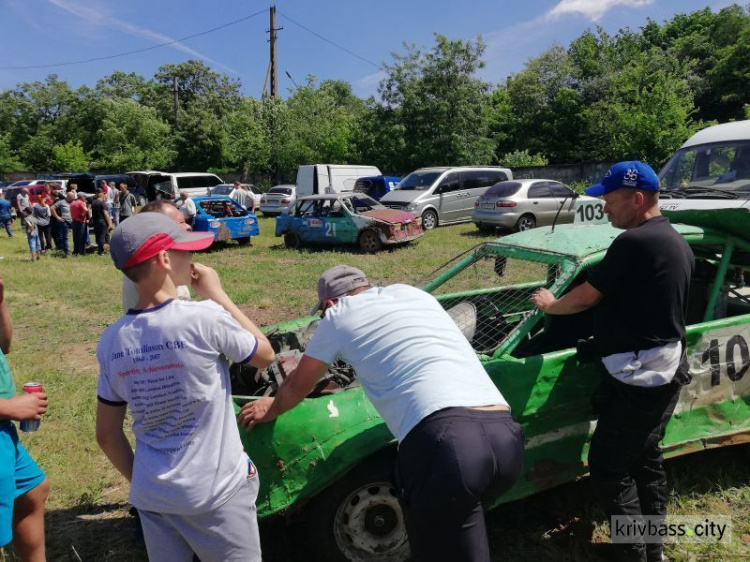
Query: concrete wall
[(588, 172)]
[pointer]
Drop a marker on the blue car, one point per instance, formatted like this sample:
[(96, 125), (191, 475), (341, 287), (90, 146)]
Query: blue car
[(226, 218)]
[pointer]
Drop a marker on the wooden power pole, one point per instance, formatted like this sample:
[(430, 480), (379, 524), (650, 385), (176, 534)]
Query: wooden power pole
[(273, 67)]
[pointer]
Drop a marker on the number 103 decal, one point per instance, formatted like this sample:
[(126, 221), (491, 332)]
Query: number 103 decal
[(590, 212)]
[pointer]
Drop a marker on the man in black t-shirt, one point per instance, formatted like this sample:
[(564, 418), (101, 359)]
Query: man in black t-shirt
[(102, 221), (639, 296)]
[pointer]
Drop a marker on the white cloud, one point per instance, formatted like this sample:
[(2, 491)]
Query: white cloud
[(592, 9), (100, 18)]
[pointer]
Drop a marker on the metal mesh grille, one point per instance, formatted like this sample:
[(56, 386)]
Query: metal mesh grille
[(489, 298)]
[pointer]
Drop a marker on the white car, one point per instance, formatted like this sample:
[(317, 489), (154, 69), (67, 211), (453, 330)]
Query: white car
[(278, 199)]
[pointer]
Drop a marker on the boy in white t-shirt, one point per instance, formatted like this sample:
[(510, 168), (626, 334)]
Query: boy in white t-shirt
[(193, 484)]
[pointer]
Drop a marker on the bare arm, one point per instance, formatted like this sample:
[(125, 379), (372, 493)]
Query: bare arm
[(206, 283), (292, 391), (579, 299), (6, 326), (111, 438)]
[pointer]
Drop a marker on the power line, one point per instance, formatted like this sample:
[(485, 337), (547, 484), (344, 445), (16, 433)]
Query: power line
[(329, 41), (235, 22)]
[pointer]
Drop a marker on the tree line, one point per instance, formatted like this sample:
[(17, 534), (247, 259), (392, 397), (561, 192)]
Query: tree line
[(636, 94)]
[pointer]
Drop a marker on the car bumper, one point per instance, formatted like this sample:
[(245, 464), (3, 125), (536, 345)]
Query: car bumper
[(495, 218)]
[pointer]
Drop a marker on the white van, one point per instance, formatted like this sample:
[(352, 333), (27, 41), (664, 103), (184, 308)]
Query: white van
[(315, 179), (169, 185), (714, 162)]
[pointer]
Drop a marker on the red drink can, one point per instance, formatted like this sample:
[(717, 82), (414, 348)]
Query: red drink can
[(31, 425)]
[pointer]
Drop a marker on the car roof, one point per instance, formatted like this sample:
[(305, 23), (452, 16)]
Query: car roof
[(324, 196), (574, 240), (726, 132), (199, 198)]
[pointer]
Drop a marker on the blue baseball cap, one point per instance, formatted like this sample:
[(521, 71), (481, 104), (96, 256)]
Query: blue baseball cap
[(632, 174)]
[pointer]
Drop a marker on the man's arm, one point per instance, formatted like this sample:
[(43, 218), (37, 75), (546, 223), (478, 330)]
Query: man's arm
[(292, 391), (207, 284), (579, 299), (111, 437), (6, 326)]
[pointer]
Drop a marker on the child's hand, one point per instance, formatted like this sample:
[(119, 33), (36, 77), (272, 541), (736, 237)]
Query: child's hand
[(205, 281), (28, 406)]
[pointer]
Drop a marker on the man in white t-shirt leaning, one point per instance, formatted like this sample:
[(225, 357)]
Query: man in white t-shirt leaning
[(187, 208), (427, 383), (191, 481), (241, 194)]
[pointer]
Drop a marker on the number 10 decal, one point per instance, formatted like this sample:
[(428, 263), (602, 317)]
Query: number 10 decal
[(735, 372)]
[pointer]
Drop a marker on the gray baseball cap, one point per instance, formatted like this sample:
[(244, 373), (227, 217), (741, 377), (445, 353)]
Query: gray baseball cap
[(338, 281), (142, 236)]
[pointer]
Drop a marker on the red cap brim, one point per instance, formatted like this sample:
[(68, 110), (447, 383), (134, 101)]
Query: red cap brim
[(163, 241)]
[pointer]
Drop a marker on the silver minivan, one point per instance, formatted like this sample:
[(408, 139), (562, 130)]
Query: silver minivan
[(444, 195)]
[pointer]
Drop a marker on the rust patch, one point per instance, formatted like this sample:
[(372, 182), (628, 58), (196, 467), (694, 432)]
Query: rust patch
[(281, 466), (727, 440)]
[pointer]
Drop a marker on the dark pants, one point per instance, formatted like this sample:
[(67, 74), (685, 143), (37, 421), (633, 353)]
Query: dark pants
[(102, 236), (625, 460), (79, 237), (62, 236), (451, 465), (45, 237), (7, 223)]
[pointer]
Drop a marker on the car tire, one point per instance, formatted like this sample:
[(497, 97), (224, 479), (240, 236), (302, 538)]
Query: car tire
[(525, 222), (244, 241), (369, 241), (292, 240), (359, 519), (429, 220)]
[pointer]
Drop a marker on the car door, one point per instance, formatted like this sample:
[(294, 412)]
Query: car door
[(542, 204), (449, 194), (337, 224)]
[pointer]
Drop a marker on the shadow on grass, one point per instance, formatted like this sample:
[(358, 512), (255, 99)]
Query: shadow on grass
[(343, 249), (559, 525), (484, 234)]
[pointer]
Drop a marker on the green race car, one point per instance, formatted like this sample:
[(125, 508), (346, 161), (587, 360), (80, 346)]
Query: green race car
[(331, 456)]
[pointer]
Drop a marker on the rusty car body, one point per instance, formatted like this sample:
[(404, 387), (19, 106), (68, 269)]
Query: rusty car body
[(346, 218)]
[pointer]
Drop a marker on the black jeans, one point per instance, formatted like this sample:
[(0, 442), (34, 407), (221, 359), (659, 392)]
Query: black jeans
[(102, 236), (451, 465), (625, 460), (45, 237)]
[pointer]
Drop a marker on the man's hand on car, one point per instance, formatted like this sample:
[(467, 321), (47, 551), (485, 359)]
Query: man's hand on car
[(255, 412)]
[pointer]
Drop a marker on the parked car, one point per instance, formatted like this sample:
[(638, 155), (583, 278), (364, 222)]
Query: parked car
[(523, 204), (225, 218), (376, 186), (331, 456), (168, 185), (227, 188), (444, 195), (278, 199), (346, 218)]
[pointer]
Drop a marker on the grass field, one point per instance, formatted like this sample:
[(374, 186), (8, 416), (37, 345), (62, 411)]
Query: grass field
[(60, 307)]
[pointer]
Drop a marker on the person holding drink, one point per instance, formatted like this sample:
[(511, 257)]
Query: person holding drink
[(23, 485)]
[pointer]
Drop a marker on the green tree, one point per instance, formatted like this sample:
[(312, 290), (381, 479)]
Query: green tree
[(8, 160), (132, 137), (440, 106), (69, 156)]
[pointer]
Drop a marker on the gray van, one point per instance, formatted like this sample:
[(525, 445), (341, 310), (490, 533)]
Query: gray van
[(444, 195)]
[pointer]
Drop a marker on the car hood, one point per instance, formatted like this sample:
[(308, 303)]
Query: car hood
[(401, 196), (390, 216)]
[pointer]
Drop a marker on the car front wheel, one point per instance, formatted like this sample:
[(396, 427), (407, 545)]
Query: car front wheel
[(429, 220), (369, 241), (292, 240), (526, 222), (359, 519)]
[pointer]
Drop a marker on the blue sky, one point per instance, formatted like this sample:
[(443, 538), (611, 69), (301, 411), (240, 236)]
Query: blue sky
[(37, 32)]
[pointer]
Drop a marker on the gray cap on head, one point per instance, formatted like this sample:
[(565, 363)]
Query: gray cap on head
[(338, 281), (142, 236)]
